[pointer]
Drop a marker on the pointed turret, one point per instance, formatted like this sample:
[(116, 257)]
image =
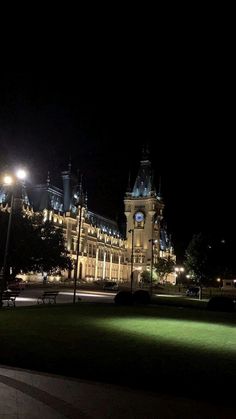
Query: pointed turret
[(144, 186), (86, 199), (47, 197), (48, 179), (129, 189), (80, 196), (159, 189), (145, 152), (20, 195), (66, 177)]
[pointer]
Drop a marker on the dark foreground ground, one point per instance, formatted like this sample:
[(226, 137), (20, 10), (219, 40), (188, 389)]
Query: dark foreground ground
[(173, 350)]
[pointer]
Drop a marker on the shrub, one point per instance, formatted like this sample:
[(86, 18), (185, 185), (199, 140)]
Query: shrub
[(141, 297), (145, 277), (220, 304), (123, 298)]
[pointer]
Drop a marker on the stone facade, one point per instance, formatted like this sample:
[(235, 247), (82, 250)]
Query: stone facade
[(94, 242)]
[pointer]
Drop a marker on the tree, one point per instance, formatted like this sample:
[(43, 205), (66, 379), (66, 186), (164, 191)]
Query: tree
[(196, 257), (146, 277), (208, 256), (34, 245), (51, 253), (164, 267)]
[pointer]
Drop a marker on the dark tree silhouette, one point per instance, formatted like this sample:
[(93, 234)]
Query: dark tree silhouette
[(34, 245)]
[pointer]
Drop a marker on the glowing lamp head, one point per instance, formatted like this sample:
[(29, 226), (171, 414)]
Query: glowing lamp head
[(8, 180), (21, 174), (179, 269)]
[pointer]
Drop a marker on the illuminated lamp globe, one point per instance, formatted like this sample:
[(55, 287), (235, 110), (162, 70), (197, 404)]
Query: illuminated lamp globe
[(8, 180), (21, 174)]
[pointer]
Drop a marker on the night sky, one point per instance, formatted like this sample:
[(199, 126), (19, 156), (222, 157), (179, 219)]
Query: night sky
[(101, 120)]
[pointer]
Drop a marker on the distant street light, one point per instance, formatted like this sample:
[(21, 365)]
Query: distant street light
[(132, 259), (9, 180), (179, 270)]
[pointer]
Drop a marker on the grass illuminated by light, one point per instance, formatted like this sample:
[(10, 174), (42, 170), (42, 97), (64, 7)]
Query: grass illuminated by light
[(155, 348), (207, 336)]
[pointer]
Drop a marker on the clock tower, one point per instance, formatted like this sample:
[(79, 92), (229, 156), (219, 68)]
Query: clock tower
[(143, 211)]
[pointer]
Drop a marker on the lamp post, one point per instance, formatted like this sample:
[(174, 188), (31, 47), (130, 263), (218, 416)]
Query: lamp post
[(132, 259), (9, 180), (80, 208), (151, 277), (179, 270)]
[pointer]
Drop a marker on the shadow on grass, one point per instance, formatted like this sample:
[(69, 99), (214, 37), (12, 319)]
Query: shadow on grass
[(165, 349), (177, 309)]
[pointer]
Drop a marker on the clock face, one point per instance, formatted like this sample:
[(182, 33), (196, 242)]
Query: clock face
[(139, 217)]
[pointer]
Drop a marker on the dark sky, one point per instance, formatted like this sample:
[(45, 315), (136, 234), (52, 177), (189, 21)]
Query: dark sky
[(102, 118)]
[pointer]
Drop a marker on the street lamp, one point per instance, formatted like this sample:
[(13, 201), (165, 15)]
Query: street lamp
[(179, 270), (152, 241), (9, 180), (81, 202), (132, 259)]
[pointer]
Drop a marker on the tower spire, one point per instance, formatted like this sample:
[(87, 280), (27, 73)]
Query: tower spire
[(69, 164), (48, 179), (145, 152), (129, 183), (143, 186), (159, 190)]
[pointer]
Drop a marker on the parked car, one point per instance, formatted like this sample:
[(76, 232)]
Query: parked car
[(192, 292), (110, 285), (16, 284)]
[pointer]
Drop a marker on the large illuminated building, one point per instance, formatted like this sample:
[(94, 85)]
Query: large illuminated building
[(95, 244)]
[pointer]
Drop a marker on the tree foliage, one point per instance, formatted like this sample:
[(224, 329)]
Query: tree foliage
[(163, 267), (196, 257), (209, 256), (146, 277), (33, 245)]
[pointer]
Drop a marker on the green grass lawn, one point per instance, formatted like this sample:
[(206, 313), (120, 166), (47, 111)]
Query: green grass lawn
[(169, 349)]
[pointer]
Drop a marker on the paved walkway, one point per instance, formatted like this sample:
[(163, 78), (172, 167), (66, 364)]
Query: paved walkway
[(29, 296), (30, 395)]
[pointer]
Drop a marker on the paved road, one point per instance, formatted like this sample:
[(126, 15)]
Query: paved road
[(32, 395), (29, 296)]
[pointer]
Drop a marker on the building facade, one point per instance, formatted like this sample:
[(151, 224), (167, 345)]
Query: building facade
[(95, 244), (147, 238)]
